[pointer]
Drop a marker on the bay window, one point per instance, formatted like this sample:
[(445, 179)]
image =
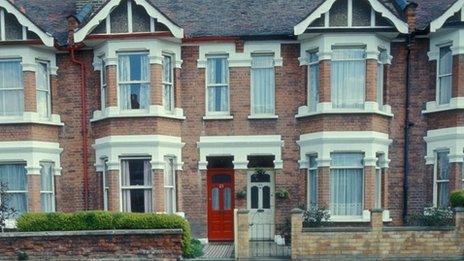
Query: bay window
[(263, 85), (217, 85), (313, 80), (348, 77), (168, 86), (442, 171), (170, 186), (136, 185), (103, 83), (47, 195), (445, 74), (14, 176), (312, 182), (11, 88), (43, 89), (346, 182), (134, 81)]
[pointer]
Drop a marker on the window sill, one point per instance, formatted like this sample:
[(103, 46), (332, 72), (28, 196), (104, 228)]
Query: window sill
[(454, 104), (218, 117), (366, 217), (327, 108), (32, 117), (153, 111), (263, 117)]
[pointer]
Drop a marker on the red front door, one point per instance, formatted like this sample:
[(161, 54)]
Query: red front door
[(221, 205)]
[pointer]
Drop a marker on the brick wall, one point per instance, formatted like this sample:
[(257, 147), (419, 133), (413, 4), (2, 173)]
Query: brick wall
[(144, 244)]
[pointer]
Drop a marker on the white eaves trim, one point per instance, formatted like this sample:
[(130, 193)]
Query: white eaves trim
[(80, 35), (400, 25), (46, 38), (440, 21)]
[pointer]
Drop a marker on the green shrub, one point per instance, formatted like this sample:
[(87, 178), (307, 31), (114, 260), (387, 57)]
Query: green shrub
[(316, 217), (457, 199), (101, 220), (433, 217), (196, 249)]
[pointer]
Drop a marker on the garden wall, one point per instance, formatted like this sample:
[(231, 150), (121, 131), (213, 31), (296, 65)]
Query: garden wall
[(110, 244), (377, 241)]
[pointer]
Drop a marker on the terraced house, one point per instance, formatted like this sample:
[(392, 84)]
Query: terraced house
[(202, 107)]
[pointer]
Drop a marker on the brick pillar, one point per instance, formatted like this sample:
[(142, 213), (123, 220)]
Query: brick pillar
[(386, 84), (377, 220), (385, 184), (112, 86), (459, 221), (240, 177), (371, 80), (429, 170), (30, 99), (33, 193), (177, 88), (369, 187), (323, 186), (455, 176), (242, 245), (114, 190), (297, 229), (158, 190), (458, 76), (156, 81), (324, 81)]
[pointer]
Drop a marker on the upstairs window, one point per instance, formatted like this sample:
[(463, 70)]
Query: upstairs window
[(103, 83), (134, 81), (47, 194), (14, 176), (217, 85), (348, 77), (442, 171), (168, 83), (313, 80), (11, 88), (43, 90), (445, 74), (137, 186), (263, 85), (383, 56)]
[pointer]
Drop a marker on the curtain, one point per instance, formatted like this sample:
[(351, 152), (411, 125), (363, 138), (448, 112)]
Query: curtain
[(167, 80), (14, 176), (313, 188), (125, 178), (218, 84), (169, 186), (46, 187), (348, 78), (124, 76), (263, 84), (445, 75), (313, 81), (346, 184), (147, 181), (443, 179), (11, 88), (134, 81), (42, 89)]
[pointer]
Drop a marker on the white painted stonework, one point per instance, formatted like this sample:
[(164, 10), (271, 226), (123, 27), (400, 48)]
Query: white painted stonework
[(455, 103), (32, 117), (324, 143), (451, 139), (240, 147), (29, 56), (240, 59), (327, 108), (112, 148), (153, 111), (32, 153)]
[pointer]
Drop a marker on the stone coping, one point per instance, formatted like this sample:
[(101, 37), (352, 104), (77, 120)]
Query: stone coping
[(417, 228), (93, 233), (337, 229)]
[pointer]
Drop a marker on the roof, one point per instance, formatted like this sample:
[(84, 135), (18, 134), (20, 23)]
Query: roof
[(219, 18)]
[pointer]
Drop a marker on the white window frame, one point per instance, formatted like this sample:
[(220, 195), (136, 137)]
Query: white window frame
[(25, 192), (170, 189), (103, 83), (139, 187), (106, 188), (435, 176), (47, 90), (378, 183), (170, 83), (311, 66), (148, 81), (310, 169), (52, 192), (252, 96), (439, 76), (208, 85), (21, 88)]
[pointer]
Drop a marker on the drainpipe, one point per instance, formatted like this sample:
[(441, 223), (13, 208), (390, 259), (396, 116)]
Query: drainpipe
[(72, 47)]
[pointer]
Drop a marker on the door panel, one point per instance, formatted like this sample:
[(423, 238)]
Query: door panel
[(220, 205), (260, 198)]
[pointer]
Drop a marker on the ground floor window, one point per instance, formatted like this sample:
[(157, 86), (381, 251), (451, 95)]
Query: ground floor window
[(105, 185), (378, 183), (14, 176), (170, 186), (47, 194), (312, 182), (136, 185), (346, 182), (442, 179)]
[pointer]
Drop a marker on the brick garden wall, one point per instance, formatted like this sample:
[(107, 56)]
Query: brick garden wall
[(127, 244)]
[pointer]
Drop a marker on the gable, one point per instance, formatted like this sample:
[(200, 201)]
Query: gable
[(127, 16), (451, 15), (15, 26), (351, 14)]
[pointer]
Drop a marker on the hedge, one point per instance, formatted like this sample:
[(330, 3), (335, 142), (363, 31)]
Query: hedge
[(457, 199), (102, 220)]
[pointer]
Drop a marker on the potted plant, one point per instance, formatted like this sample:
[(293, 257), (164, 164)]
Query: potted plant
[(241, 194), (282, 193)]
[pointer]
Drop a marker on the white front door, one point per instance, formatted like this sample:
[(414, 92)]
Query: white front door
[(260, 202)]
